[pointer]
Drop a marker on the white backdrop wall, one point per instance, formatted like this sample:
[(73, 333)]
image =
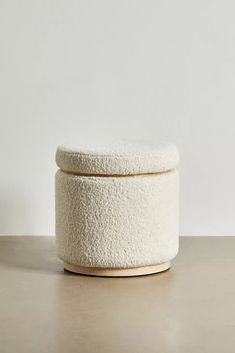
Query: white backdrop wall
[(140, 69)]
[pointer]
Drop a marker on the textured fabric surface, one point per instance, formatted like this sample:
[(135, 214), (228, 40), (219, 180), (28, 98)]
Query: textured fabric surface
[(120, 158), (117, 222)]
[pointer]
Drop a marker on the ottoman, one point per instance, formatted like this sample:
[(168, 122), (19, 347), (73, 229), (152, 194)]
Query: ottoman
[(117, 208)]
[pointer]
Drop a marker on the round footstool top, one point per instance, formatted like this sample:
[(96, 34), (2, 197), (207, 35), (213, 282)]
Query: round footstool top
[(117, 158)]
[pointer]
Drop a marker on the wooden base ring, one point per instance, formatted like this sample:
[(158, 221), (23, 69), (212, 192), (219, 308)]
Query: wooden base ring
[(117, 272)]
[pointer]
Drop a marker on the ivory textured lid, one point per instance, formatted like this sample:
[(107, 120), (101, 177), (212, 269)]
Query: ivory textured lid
[(117, 159)]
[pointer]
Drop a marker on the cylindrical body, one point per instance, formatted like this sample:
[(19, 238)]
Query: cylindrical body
[(117, 221)]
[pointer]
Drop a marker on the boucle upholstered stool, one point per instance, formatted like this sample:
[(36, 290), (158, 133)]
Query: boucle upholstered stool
[(117, 209)]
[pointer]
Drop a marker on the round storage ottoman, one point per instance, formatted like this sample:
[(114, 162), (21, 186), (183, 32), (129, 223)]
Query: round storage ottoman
[(117, 208)]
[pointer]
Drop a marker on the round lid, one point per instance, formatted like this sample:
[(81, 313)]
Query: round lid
[(117, 158)]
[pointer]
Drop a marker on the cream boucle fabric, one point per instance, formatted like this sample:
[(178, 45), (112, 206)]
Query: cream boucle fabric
[(117, 159), (117, 222)]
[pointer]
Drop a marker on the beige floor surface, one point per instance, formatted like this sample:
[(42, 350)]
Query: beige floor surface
[(189, 309)]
